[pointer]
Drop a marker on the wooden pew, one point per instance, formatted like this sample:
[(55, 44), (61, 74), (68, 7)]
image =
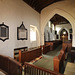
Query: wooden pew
[(46, 48), (68, 44), (53, 44), (72, 54), (59, 61), (10, 66), (16, 52), (28, 56)]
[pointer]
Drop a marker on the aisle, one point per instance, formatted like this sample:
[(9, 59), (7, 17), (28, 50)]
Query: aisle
[(53, 53), (47, 60)]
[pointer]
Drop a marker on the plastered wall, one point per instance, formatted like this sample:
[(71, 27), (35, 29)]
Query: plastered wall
[(12, 13)]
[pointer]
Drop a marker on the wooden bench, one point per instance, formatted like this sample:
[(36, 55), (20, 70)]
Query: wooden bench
[(16, 52), (10, 66)]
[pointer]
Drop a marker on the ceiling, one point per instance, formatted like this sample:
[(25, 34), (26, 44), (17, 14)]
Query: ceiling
[(38, 5), (57, 20)]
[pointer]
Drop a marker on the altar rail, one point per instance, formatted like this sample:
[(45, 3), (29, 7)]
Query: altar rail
[(31, 69), (10, 66)]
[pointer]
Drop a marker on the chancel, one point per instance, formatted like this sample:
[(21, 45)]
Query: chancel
[(37, 37)]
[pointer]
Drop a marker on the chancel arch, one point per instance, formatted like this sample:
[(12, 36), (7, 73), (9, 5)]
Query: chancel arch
[(49, 15)]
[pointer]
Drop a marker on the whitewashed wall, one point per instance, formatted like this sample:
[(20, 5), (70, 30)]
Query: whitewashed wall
[(12, 13)]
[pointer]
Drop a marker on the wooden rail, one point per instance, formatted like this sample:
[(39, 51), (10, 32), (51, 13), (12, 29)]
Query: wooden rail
[(31, 69), (10, 66)]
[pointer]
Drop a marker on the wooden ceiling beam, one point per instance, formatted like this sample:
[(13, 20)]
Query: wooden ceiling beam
[(38, 5), (57, 19), (44, 4)]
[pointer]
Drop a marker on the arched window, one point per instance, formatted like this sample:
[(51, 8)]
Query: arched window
[(32, 33)]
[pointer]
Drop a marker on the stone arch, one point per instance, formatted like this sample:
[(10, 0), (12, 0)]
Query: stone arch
[(60, 12)]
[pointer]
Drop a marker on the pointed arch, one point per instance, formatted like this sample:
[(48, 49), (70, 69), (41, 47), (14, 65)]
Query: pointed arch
[(48, 16)]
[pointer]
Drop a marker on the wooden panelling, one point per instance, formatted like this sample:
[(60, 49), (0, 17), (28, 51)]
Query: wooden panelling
[(10, 66)]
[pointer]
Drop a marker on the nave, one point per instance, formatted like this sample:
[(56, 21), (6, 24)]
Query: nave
[(44, 64)]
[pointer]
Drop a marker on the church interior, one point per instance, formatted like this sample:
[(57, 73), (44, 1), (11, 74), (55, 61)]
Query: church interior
[(37, 37)]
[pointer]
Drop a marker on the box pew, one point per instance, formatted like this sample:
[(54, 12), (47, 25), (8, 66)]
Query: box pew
[(72, 54), (16, 52), (46, 48), (10, 66), (28, 56), (53, 44), (59, 61), (68, 44), (65, 49)]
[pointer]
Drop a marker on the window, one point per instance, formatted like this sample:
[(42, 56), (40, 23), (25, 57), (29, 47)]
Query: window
[(32, 33)]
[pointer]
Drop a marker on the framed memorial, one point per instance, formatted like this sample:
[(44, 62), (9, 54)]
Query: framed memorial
[(22, 33), (4, 32)]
